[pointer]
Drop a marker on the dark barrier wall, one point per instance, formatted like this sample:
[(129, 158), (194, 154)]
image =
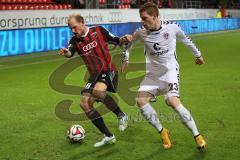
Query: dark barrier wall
[(14, 42)]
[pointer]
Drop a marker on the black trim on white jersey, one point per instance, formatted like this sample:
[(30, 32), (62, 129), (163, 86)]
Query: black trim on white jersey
[(175, 55), (154, 30)]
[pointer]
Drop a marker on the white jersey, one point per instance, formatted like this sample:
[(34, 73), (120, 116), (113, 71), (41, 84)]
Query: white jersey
[(160, 47)]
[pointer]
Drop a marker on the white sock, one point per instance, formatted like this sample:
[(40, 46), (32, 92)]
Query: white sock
[(187, 119), (150, 114)]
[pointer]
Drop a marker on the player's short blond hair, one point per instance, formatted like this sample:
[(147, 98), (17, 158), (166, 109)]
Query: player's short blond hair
[(150, 8), (78, 17)]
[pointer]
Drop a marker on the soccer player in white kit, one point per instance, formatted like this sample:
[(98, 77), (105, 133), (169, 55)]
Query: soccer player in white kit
[(162, 70)]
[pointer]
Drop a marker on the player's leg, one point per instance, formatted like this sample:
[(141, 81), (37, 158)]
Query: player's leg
[(184, 114), (113, 106), (187, 119), (100, 93), (172, 99), (147, 110), (112, 80), (86, 104), (150, 115)]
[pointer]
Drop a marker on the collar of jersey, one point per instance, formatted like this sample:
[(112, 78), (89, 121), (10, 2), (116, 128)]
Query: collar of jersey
[(85, 33), (154, 30)]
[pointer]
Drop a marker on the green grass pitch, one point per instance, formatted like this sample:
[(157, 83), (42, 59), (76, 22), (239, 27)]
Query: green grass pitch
[(30, 129)]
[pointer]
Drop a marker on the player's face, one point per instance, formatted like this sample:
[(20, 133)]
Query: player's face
[(149, 22), (78, 28)]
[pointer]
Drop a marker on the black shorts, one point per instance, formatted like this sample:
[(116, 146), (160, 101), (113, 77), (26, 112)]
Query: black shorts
[(109, 78)]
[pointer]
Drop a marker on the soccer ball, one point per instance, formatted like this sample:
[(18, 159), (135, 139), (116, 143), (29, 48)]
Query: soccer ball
[(76, 133)]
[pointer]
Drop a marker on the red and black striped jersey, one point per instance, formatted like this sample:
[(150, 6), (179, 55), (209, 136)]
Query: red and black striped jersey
[(93, 48)]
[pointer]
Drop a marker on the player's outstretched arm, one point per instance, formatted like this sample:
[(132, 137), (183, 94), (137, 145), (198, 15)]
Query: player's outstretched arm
[(127, 43), (188, 42)]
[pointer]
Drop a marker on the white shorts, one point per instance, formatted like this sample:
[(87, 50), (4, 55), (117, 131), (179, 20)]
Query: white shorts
[(167, 84)]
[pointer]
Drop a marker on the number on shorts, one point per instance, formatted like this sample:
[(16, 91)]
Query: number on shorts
[(173, 86)]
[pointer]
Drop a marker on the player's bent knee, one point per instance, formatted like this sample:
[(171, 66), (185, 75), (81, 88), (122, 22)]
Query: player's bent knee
[(141, 101), (173, 101)]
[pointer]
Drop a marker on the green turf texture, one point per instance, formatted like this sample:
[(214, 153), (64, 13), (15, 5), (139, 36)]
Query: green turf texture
[(30, 129)]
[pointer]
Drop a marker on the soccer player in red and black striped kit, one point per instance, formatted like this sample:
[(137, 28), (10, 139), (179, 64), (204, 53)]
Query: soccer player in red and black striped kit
[(91, 44)]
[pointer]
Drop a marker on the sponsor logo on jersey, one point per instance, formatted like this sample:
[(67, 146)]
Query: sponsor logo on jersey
[(159, 53), (158, 49), (89, 46)]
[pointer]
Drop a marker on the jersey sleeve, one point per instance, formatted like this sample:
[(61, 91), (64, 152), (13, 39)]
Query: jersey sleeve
[(108, 36), (126, 51), (127, 47), (181, 36), (71, 48)]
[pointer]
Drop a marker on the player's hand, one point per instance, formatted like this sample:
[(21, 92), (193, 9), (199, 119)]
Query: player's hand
[(124, 65), (199, 60), (126, 39), (63, 51)]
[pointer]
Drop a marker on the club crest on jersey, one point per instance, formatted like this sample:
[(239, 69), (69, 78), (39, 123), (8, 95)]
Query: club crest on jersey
[(89, 46), (166, 35)]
